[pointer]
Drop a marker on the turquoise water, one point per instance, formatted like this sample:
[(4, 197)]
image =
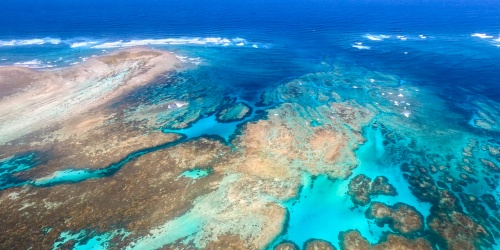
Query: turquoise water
[(208, 126), (323, 210), (88, 240), (443, 57), (17, 163), (196, 173), (372, 164)]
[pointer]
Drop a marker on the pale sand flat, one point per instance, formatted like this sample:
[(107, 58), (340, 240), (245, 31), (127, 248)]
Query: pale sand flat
[(32, 99)]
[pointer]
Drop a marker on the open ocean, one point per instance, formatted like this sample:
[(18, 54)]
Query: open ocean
[(447, 50), (291, 36)]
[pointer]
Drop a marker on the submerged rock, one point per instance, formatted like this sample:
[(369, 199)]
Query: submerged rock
[(458, 231), (362, 189), (318, 245), (490, 201), (286, 246), (353, 240), (401, 217)]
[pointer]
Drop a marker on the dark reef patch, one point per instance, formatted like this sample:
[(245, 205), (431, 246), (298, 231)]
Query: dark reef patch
[(353, 240), (401, 217), (362, 189), (234, 112), (315, 244), (286, 245)]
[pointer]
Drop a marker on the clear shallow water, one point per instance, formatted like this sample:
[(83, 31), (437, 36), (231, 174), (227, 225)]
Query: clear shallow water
[(196, 173), (242, 49), (322, 211)]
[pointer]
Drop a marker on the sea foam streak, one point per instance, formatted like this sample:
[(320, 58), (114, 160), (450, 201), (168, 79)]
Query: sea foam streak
[(81, 44), (377, 37), (481, 35), (121, 43), (35, 41), (34, 64), (210, 41), (359, 45)]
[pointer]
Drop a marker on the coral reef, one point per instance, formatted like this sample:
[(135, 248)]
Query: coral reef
[(354, 240), (235, 112), (160, 186), (401, 218), (286, 246), (318, 245), (362, 189), (458, 231), (143, 194)]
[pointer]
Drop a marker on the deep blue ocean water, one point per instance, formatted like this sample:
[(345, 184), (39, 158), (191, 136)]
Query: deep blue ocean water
[(451, 48), (297, 31)]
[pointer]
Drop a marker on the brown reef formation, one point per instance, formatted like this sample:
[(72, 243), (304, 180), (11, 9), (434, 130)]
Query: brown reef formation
[(78, 118), (235, 112), (402, 218), (143, 194), (318, 245), (362, 189), (65, 114), (353, 240), (82, 125)]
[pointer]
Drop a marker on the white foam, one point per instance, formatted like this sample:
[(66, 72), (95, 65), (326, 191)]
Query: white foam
[(481, 35), (357, 46), (193, 60), (377, 37), (54, 41), (34, 64), (31, 42), (79, 44), (116, 44), (209, 41), (403, 38), (35, 41), (406, 112), (100, 44), (8, 43), (422, 36)]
